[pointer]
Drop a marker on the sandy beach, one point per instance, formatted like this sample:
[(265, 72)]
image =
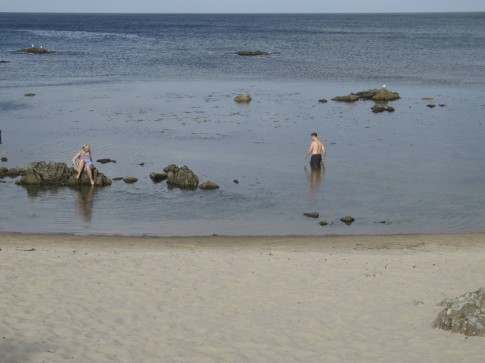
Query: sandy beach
[(235, 299)]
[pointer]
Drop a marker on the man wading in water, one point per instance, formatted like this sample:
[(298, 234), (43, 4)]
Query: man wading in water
[(316, 149)]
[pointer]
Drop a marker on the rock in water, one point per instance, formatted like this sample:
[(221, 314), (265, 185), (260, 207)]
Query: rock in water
[(182, 178), (105, 161), (323, 223), (323, 100), (348, 220), (34, 50), (57, 174), (382, 108), (13, 173), (4, 159), (464, 314), (3, 172), (158, 177), (312, 214), (251, 53), (30, 94), (208, 185), (130, 180), (243, 98), (378, 95)]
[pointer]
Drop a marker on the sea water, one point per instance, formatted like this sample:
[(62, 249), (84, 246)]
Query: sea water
[(158, 89)]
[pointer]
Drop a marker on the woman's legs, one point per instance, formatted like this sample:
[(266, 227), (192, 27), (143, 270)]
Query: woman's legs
[(90, 174), (80, 168)]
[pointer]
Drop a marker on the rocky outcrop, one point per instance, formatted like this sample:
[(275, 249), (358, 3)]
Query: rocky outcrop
[(3, 172), (34, 50), (181, 177), (251, 53), (57, 174), (208, 185), (464, 314), (377, 95), (243, 98)]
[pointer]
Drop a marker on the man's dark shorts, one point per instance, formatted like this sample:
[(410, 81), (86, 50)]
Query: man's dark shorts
[(316, 161)]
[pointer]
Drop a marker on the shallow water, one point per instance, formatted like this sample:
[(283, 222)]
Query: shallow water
[(418, 169), (158, 89)]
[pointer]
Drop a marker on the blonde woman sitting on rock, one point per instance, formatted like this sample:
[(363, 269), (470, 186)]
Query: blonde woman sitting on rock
[(83, 161)]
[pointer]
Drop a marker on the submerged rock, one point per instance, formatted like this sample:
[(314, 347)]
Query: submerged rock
[(158, 177), (431, 106), (181, 177), (348, 220), (35, 50), (4, 159), (243, 98), (3, 61), (312, 214), (251, 53), (208, 185), (29, 94), (58, 174), (323, 100), (323, 223), (3, 172), (464, 314)]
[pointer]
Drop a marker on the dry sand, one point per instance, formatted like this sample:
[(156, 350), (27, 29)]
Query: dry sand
[(227, 299)]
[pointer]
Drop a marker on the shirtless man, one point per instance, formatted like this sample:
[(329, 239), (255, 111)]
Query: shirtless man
[(316, 149)]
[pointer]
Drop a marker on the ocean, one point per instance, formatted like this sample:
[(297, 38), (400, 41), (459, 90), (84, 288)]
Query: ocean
[(158, 89)]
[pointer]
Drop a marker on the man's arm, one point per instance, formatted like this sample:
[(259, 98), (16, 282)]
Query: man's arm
[(324, 151), (309, 151)]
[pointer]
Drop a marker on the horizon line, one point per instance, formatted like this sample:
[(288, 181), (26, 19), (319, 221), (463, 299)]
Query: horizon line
[(243, 13)]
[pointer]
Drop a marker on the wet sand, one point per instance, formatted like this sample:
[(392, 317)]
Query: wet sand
[(235, 299)]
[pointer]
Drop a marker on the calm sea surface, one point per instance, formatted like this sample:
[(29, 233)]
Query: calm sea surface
[(158, 89)]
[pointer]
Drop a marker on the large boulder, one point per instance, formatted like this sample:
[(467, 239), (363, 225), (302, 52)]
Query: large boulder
[(3, 172), (464, 314), (181, 177), (57, 174)]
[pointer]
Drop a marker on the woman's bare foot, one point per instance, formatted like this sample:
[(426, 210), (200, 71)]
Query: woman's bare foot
[(78, 176), (92, 183)]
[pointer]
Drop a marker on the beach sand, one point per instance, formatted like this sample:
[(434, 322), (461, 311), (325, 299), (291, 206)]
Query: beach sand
[(235, 299)]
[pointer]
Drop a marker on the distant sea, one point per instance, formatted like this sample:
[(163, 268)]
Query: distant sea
[(156, 89)]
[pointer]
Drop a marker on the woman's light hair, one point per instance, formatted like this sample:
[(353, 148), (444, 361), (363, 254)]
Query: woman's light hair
[(86, 148)]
